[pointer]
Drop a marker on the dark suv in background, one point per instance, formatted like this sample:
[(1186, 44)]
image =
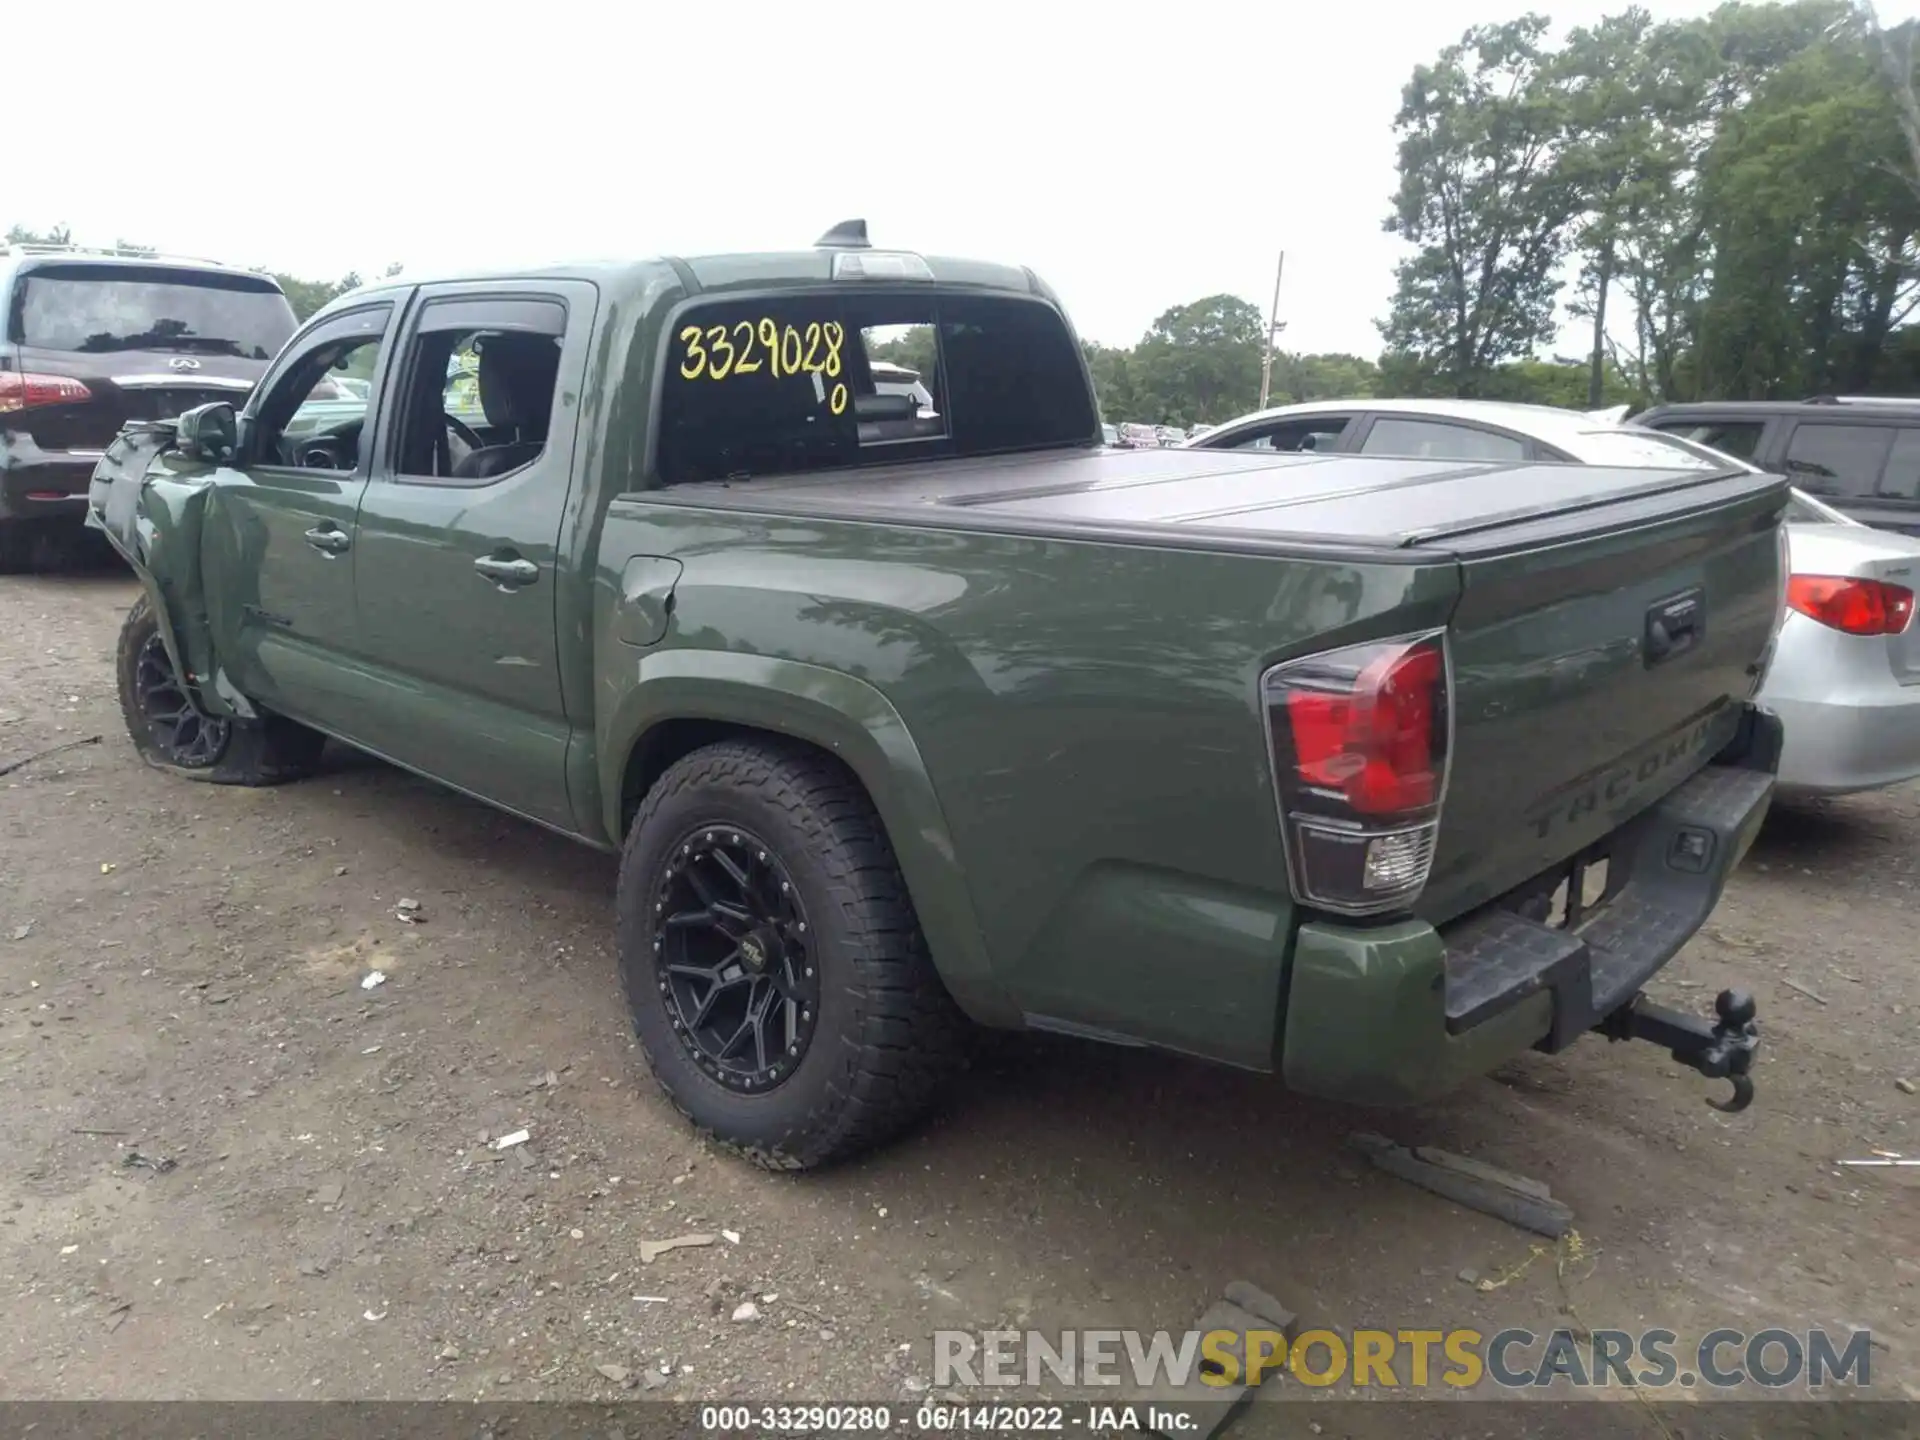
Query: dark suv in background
[(94, 338), (1862, 456)]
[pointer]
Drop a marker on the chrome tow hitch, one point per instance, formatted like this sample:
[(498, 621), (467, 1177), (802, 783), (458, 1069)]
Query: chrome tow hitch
[(1722, 1050)]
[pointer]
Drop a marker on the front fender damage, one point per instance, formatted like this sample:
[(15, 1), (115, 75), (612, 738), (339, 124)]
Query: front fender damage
[(152, 506)]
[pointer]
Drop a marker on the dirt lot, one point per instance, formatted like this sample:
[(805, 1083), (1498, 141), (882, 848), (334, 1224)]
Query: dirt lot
[(180, 980)]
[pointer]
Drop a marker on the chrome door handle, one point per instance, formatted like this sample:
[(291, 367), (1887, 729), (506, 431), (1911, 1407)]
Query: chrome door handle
[(507, 574), (325, 538)]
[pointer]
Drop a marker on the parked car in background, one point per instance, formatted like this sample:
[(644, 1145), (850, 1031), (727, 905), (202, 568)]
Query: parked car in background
[(95, 338), (1134, 436), (1860, 455), (1109, 434), (1196, 431), (1845, 676), (329, 404), (891, 379)]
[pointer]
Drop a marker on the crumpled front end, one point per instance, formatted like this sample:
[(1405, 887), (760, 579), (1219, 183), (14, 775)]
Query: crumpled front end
[(151, 503)]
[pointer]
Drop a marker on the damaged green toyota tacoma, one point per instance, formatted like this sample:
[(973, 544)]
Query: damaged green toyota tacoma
[(909, 710)]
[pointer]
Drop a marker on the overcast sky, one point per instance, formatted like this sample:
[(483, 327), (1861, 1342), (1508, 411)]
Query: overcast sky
[(1137, 163)]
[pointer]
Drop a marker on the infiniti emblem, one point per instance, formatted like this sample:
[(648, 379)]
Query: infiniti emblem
[(183, 362)]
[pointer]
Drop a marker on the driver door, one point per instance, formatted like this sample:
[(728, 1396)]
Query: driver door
[(279, 547)]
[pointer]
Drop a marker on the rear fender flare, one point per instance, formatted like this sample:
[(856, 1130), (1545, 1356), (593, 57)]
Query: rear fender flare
[(850, 719)]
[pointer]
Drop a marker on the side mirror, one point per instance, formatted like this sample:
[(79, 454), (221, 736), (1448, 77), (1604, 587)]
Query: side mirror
[(209, 432)]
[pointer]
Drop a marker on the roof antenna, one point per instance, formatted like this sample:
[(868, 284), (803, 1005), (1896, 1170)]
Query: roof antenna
[(847, 235)]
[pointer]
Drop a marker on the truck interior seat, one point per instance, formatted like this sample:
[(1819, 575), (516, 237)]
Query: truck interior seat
[(517, 377)]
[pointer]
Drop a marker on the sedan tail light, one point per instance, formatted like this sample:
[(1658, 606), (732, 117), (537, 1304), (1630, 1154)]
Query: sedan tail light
[(28, 391), (1852, 605), (1360, 741)]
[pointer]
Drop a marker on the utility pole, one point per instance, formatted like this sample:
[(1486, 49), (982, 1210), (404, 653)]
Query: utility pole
[(1274, 327)]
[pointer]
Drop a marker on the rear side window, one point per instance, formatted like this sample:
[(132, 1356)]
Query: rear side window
[(1322, 432), (1436, 440), (1901, 479), (1841, 460), (1739, 438), (101, 309), (797, 383), (481, 379)]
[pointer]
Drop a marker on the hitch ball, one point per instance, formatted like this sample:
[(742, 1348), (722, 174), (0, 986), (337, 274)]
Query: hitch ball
[(1735, 1009), (1730, 1055)]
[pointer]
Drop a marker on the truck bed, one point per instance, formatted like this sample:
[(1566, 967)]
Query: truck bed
[(1567, 722), (1228, 499)]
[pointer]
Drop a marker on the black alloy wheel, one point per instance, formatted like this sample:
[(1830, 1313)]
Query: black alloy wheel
[(734, 959), (182, 733), (780, 988)]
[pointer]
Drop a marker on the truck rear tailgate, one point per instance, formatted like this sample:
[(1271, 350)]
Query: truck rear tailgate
[(1599, 655)]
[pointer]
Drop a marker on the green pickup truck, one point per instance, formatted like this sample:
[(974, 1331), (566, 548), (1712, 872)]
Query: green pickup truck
[(1370, 772)]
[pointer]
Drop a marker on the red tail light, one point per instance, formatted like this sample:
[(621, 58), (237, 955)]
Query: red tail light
[(1375, 743), (26, 391), (1857, 607), (1360, 739)]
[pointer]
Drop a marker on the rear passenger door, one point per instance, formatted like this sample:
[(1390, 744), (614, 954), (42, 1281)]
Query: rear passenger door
[(458, 543)]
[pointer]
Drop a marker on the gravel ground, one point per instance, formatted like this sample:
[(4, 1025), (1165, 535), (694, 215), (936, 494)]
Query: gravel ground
[(227, 1170)]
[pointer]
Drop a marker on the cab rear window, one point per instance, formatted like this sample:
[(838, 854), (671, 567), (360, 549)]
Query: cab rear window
[(812, 382)]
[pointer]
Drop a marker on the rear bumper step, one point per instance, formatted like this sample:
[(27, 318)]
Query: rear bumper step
[(1665, 871), (1395, 1014)]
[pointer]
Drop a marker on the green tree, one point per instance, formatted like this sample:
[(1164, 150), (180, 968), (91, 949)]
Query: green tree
[(58, 235), (1484, 198), (1300, 378), (1691, 76), (1565, 383), (1815, 235), (915, 349), (63, 235), (1112, 370), (1745, 187), (1629, 94), (1894, 50), (308, 297), (1198, 363)]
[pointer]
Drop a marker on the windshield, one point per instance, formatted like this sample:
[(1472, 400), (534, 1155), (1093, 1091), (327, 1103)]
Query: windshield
[(98, 309)]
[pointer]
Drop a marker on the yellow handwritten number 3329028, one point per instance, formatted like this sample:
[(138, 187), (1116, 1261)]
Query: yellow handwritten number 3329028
[(719, 352)]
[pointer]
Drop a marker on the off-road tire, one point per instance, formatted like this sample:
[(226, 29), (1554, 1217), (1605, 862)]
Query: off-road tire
[(268, 751), (888, 1034)]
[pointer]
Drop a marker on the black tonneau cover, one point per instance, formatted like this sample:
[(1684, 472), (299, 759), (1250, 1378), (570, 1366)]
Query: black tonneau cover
[(1353, 500)]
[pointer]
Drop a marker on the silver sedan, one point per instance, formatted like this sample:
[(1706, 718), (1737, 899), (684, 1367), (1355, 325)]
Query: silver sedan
[(1845, 678)]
